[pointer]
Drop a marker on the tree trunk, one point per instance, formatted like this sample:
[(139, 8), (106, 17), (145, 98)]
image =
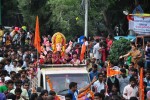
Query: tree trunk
[(107, 23)]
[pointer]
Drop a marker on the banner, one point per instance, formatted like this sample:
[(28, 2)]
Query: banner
[(140, 24)]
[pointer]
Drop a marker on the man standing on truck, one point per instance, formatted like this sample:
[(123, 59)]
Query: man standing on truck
[(73, 89)]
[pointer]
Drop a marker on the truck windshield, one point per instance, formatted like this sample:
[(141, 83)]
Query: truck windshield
[(60, 82), (146, 39)]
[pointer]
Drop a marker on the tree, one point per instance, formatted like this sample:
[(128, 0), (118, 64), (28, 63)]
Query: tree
[(10, 13), (32, 8), (119, 47), (67, 16)]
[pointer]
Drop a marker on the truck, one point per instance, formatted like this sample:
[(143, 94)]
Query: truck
[(142, 40), (58, 76)]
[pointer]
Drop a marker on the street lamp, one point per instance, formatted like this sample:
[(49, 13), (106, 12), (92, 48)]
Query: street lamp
[(86, 19)]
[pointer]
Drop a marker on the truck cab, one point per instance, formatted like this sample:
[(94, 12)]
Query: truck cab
[(58, 76), (142, 40)]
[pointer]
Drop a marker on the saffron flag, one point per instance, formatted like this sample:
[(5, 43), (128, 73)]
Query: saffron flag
[(141, 86), (37, 38), (112, 72), (83, 50)]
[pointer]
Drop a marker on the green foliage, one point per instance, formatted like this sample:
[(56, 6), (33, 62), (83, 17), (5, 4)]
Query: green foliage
[(119, 47), (64, 14), (67, 16), (9, 12), (31, 9)]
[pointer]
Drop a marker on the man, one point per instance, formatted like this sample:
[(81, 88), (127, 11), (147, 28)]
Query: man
[(26, 62), (24, 92), (147, 80), (73, 89), (96, 52), (112, 80), (84, 49), (55, 96), (131, 90), (123, 80), (12, 74), (97, 96), (26, 86), (94, 72), (9, 67), (99, 84), (7, 87), (133, 72), (18, 92), (22, 37), (85, 42)]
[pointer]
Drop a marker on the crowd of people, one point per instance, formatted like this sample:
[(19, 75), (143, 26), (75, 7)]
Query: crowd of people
[(19, 62)]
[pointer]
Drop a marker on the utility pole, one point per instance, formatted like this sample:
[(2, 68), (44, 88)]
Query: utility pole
[(86, 19), (0, 12)]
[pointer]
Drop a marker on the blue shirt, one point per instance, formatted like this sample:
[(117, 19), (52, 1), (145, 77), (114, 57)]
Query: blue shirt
[(2, 96), (74, 95), (93, 74)]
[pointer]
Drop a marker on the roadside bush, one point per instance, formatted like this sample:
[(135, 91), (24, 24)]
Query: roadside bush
[(119, 47)]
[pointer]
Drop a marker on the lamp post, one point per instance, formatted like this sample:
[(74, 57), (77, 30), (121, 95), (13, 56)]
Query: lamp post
[(86, 19)]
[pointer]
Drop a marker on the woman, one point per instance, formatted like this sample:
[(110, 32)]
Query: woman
[(109, 42), (102, 51), (134, 53), (75, 60), (57, 59), (43, 95), (67, 59)]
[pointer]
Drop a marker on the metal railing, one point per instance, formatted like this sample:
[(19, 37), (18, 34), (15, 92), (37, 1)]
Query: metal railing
[(62, 65)]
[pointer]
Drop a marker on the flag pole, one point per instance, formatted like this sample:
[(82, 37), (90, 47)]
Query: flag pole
[(108, 64), (37, 41)]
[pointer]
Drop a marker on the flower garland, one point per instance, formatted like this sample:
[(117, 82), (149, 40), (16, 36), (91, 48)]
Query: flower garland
[(49, 83)]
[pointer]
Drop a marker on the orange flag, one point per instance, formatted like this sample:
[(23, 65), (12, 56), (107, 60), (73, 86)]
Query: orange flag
[(37, 38), (83, 50), (141, 86), (111, 72)]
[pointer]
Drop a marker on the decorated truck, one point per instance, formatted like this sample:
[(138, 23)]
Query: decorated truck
[(57, 76)]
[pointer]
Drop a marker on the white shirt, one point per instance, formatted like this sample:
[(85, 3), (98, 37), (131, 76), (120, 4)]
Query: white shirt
[(24, 93), (4, 37), (11, 34), (86, 43), (98, 86), (24, 64), (9, 68), (123, 82), (130, 91), (1, 58), (96, 52)]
